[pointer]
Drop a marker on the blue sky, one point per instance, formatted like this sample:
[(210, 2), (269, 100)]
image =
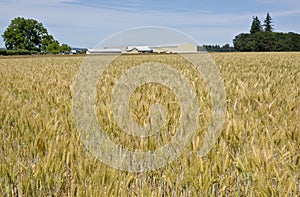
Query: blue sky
[(85, 23)]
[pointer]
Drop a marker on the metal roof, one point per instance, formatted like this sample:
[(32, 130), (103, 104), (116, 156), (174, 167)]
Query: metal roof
[(139, 48), (108, 50)]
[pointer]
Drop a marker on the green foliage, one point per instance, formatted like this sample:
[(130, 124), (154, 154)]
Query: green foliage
[(16, 52), (31, 36), (268, 23), (267, 41), (259, 40), (218, 48), (53, 47), (46, 42), (24, 34), (243, 42), (256, 26), (65, 48), (2, 52)]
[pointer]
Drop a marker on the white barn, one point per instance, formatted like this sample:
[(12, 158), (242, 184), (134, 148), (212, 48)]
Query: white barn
[(138, 49), (104, 51), (176, 48)]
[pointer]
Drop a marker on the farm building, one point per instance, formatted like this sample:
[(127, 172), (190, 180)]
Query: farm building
[(176, 48), (73, 51), (138, 49), (104, 51), (166, 48)]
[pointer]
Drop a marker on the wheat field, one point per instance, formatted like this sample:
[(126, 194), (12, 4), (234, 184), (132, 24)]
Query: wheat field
[(257, 154)]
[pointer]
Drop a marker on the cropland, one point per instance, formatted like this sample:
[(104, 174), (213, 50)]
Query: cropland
[(257, 153)]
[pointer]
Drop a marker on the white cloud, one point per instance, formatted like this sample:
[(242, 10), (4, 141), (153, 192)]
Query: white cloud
[(45, 2), (287, 13), (285, 4)]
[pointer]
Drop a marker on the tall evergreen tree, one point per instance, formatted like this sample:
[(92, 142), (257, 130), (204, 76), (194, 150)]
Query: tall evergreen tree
[(265, 39), (268, 23), (256, 26)]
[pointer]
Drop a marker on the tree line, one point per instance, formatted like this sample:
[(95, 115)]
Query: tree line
[(262, 38), (217, 48), (28, 36)]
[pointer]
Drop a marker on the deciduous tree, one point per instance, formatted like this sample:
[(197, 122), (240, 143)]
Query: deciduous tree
[(24, 34), (30, 35)]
